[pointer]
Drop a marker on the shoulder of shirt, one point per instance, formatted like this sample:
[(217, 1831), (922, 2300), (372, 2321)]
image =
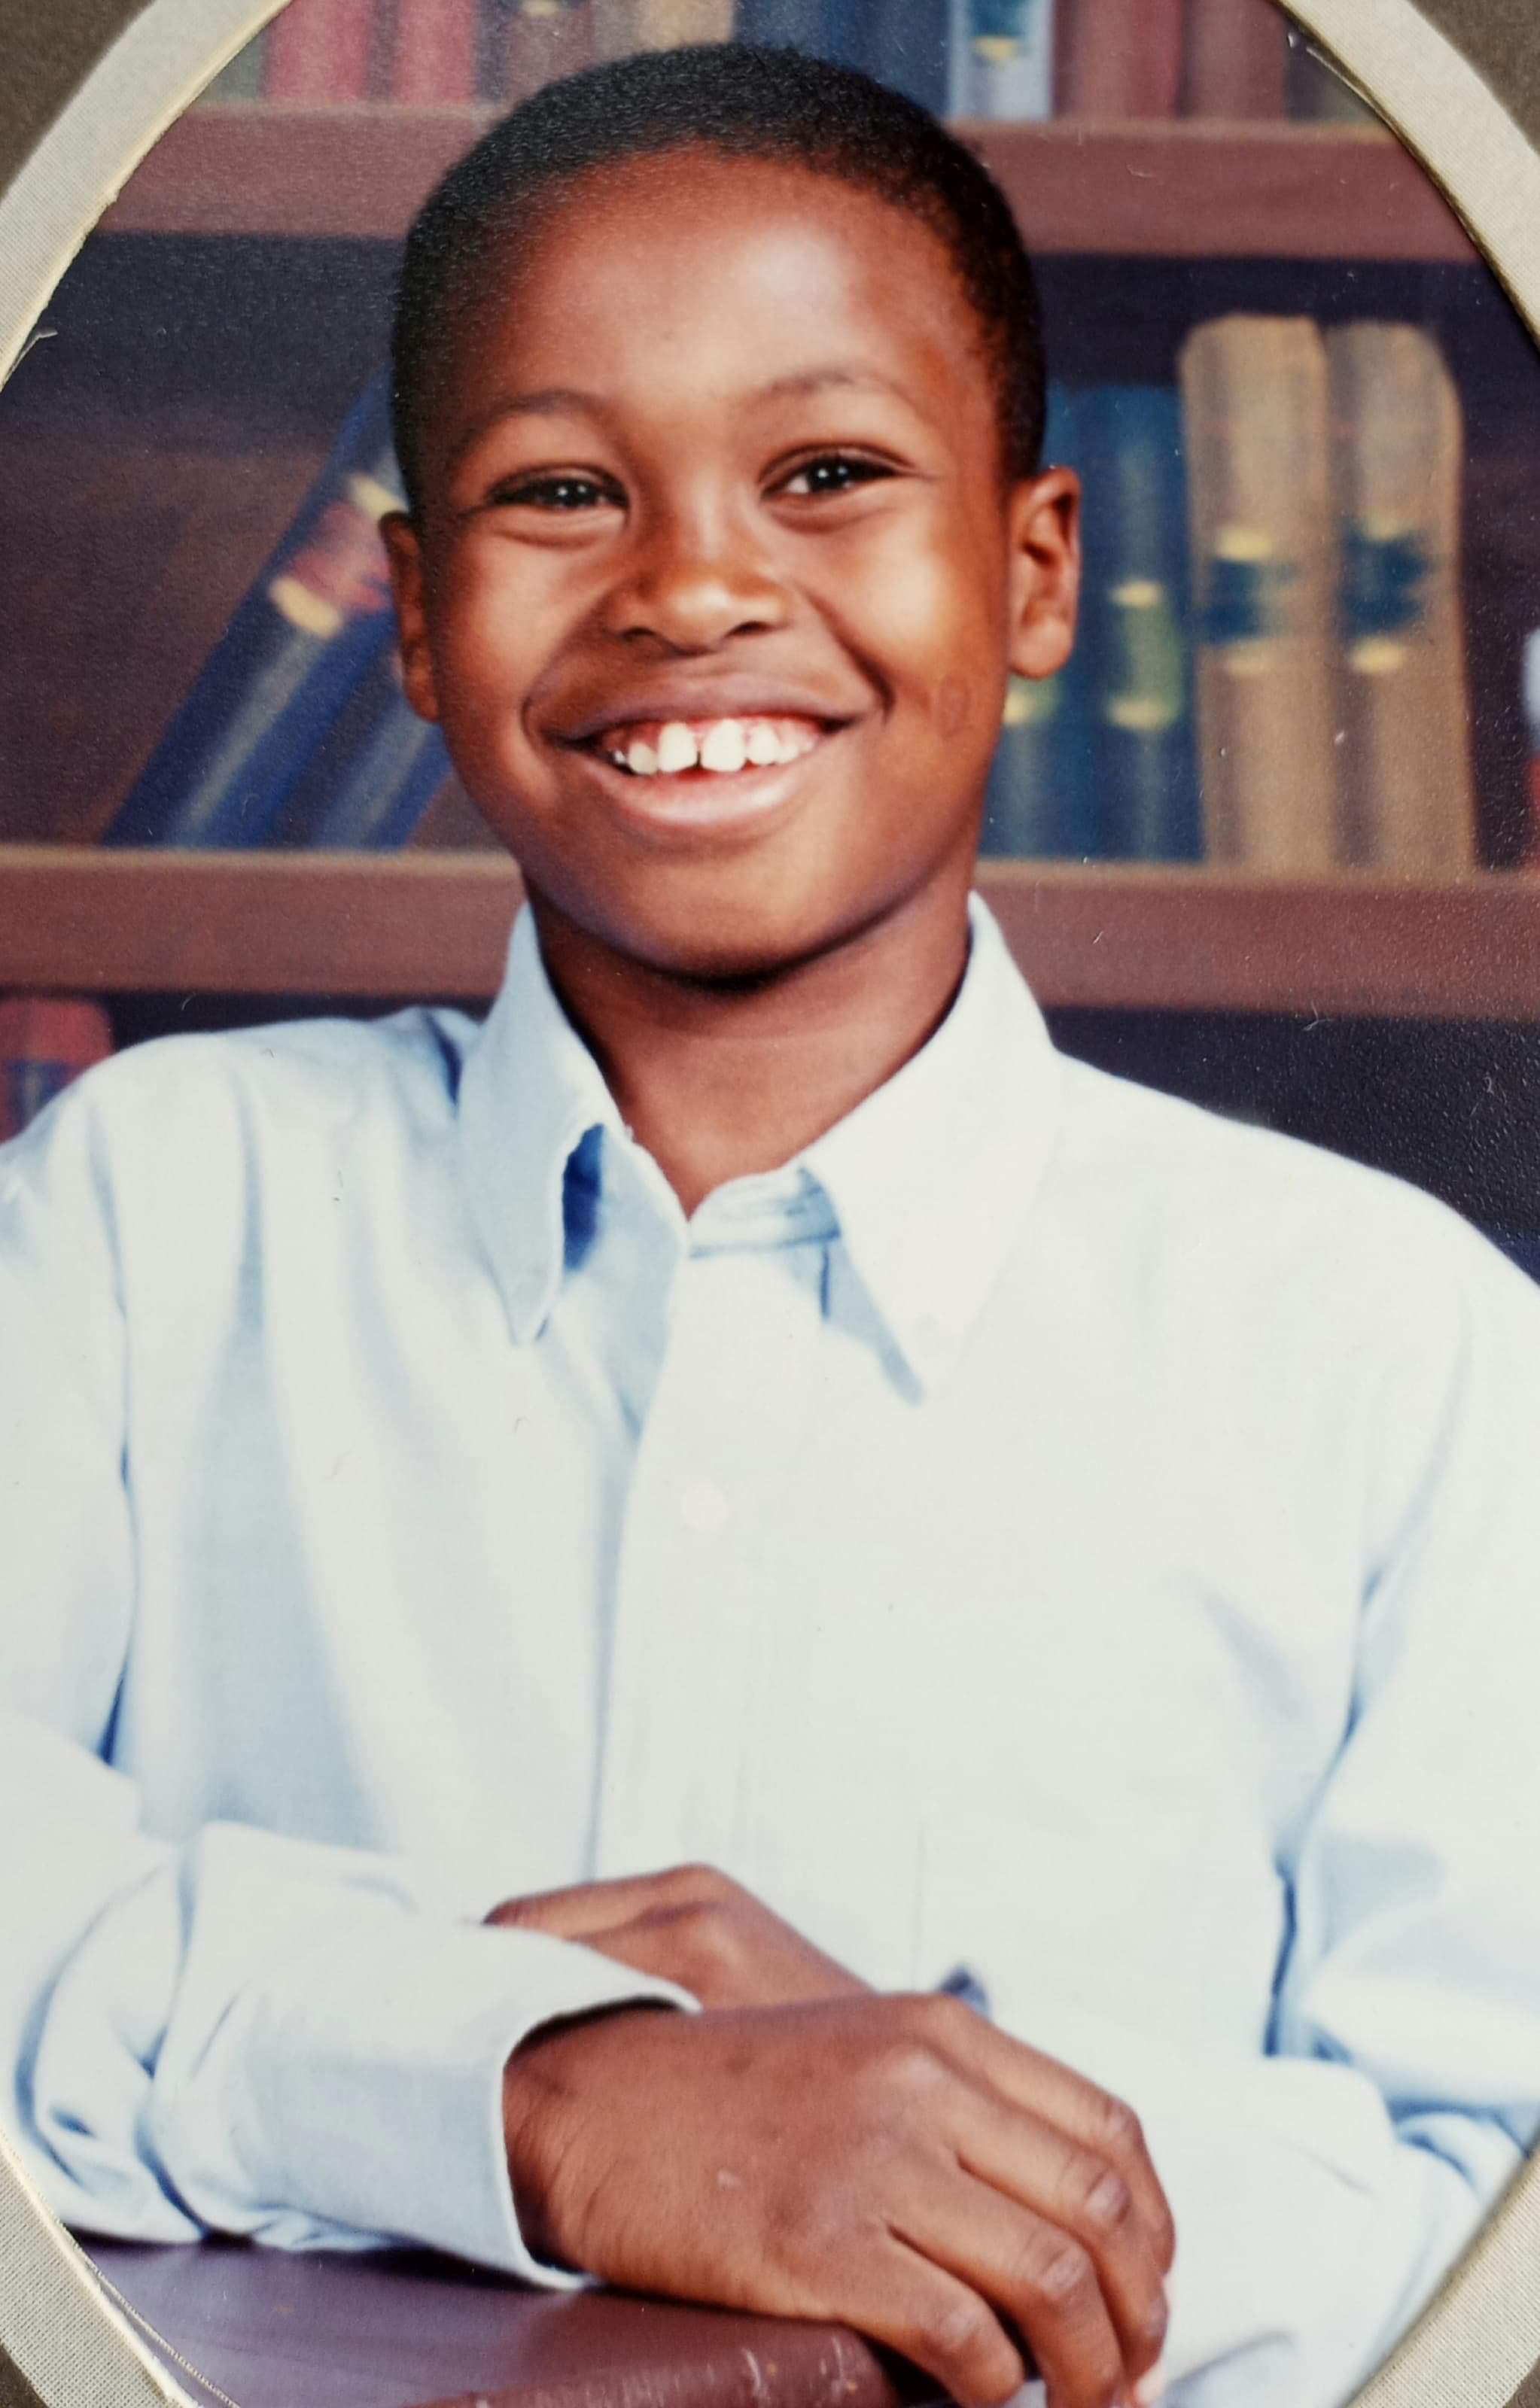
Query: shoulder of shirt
[(289, 1074), (1273, 1202)]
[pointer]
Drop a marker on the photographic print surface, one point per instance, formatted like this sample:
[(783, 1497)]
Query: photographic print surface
[(1266, 844)]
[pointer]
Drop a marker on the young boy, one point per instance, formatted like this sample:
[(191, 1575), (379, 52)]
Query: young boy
[(755, 1406)]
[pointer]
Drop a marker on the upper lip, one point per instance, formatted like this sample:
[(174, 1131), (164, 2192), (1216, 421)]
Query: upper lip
[(735, 697)]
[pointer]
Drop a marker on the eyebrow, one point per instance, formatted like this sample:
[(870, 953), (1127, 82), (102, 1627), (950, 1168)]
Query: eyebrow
[(563, 401)]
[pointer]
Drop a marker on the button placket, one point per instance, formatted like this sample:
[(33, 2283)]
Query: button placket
[(725, 1416)]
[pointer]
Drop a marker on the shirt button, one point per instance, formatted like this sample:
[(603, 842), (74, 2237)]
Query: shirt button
[(702, 1508)]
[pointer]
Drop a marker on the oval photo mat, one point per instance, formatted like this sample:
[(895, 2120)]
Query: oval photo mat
[(90, 85)]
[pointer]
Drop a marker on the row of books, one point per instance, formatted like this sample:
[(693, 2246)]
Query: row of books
[(1271, 667), (990, 58), (1270, 670)]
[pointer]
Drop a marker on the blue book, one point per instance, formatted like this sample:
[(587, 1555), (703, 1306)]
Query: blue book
[(316, 618), (1002, 59), (375, 773), (824, 29), (1041, 802), (1137, 614), (910, 47)]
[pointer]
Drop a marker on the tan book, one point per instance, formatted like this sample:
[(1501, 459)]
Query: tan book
[(1406, 791), (614, 28), (664, 24), (1235, 59), (1254, 392)]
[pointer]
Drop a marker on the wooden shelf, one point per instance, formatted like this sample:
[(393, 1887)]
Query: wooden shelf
[(1188, 189), (1126, 936)]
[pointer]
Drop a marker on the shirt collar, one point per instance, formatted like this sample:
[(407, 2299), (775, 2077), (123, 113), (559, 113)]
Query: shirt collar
[(931, 1175), (928, 1177), (530, 1094)]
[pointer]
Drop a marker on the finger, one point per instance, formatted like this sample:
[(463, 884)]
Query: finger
[(589, 1906), (938, 2323), (1035, 2274), (1037, 2166), (1044, 2087)]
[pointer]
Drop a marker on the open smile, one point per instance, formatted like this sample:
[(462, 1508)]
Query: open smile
[(693, 774)]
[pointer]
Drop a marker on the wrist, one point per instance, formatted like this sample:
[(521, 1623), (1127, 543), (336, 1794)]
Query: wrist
[(549, 2086)]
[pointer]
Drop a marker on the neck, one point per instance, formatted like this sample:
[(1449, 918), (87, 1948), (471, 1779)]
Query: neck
[(718, 1078)]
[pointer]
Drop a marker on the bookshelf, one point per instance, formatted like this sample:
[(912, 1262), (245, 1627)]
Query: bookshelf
[(310, 199), (1120, 937), (357, 172)]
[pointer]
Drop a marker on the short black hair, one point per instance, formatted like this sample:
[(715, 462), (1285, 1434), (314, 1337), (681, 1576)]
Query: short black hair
[(738, 98)]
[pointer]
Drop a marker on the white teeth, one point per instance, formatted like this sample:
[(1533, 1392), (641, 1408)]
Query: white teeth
[(789, 747), (762, 745), (676, 748), (725, 746), (640, 759)]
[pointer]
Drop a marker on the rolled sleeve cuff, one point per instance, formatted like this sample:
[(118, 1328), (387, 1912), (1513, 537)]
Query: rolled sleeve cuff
[(374, 2089)]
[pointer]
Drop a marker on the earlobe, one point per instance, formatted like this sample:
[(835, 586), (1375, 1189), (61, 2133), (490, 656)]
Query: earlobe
[(1044, 517), (406, 576)]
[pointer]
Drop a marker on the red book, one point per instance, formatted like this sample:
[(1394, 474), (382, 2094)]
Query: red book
[(321, 49), (45, 1040), (543, 39), (1237, 60), (1120, 58), (434, 55)]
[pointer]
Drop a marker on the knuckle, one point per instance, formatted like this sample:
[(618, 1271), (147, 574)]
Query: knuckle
[(912, 2068), (1102, 2196), (960, 2331), (937, 2017), (1116, 2129), (1059, 2271), (698, 1885)]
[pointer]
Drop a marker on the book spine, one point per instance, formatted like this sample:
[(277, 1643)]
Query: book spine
[(316, 615), (1002, 59), (667, 24), (614, 24), (909, 47), (543, 39), (783, 24), (1136, 609), (376, 774), (1041, 799), (1235, 59), (1255, 394), (245, 77), (1408, 793), (45, 1042), (1122, 58), (433, 52), (321, 49)]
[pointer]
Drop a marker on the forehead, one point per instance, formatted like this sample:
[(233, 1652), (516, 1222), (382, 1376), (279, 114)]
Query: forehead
[(711, 271)]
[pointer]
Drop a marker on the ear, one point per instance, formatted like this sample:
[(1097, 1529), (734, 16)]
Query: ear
[(1043, 520), (405, 554)]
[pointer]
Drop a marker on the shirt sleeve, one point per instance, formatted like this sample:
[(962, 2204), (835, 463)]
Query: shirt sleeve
[(1323, 2190), (244, 2032)]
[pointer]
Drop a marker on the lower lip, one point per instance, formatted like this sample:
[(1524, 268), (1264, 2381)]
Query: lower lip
[(700, 802)]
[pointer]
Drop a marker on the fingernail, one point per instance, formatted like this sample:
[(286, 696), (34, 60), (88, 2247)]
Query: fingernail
[(1150, 2388)]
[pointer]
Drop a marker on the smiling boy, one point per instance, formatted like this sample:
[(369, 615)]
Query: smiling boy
[(755, 1405)]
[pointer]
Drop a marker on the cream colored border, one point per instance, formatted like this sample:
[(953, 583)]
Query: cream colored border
[(137, 89), (1482, 2335)]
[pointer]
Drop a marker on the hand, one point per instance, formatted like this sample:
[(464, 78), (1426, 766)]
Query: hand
[(692, 1925), (892, 2163)]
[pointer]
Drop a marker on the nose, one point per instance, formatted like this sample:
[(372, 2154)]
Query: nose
[(694, 577)]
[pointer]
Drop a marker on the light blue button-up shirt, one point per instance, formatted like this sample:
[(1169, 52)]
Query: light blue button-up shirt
[(1044, 1528)]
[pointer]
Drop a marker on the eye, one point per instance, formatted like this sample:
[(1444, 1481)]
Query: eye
[(832, 472), (562, 489)]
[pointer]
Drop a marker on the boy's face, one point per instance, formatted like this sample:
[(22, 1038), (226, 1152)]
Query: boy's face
[(718, 454)]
